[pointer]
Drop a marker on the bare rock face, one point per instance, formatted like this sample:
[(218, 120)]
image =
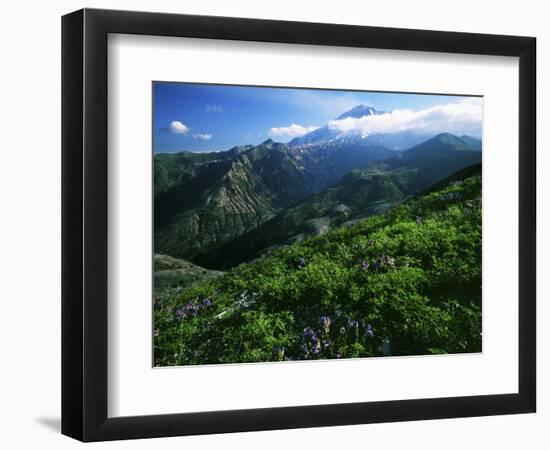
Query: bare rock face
[(219, 199)]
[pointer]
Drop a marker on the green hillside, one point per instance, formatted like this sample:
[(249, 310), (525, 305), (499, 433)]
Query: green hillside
[(474, 144), (171, 169), (435, 159), (219, 196), (406, 281), (359, 194), (204, 200), (178, 274)]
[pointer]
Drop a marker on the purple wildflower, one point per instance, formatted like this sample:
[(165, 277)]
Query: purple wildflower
[(309, 334), (370, 332), (316, 347), (324, 323), (310, 342), (186, 311), (351, 323)]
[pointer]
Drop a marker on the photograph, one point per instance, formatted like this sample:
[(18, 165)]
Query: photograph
[(275, 225), (295, 224)]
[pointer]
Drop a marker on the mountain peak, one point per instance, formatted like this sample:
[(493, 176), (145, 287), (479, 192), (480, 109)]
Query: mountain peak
[(445, 135), (270, 144), (359, 111), (450, 139), (443, 142)]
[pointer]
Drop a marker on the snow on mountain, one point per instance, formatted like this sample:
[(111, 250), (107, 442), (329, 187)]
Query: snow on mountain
[(359, 111), (393, 141)]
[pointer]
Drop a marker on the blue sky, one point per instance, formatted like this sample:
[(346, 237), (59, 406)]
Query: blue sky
[(202, 117)]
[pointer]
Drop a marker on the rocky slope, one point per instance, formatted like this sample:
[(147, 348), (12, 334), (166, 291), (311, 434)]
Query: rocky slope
[(205, 200), (359, 194)]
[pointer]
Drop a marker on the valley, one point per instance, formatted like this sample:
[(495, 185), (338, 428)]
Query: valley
[(403, 282), (220, 209), (357, 238)]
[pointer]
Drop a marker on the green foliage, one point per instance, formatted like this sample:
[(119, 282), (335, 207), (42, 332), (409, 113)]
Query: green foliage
[(404, 282), (360, 193)]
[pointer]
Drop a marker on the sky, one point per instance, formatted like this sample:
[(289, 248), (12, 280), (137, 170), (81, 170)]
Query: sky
[(204, 117)]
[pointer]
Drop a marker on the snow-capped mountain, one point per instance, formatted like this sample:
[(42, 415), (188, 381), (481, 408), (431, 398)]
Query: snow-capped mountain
[(327, 133), (393, 141), (359, 111)]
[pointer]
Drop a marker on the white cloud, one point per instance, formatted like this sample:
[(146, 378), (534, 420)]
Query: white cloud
[(177, 127), (291, 131), (464, 117), (213, 108), (203, 136)]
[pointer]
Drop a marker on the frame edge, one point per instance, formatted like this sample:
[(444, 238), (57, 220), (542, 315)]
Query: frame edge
[(84, 244), (72, 254), (527, 289)]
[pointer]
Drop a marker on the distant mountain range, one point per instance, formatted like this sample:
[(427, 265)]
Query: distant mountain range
[(359, 194), (219, 209), (401, 140)]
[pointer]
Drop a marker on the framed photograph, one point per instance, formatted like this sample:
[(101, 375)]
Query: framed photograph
[(273, 224)]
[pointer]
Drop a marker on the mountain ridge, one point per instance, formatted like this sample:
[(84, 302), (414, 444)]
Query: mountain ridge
[(204, 202), (360, 193)]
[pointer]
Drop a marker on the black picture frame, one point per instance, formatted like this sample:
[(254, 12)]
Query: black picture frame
[(84, 224)]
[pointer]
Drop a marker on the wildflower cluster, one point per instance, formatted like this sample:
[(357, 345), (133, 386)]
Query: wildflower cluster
[(407, 282), (191, 309)]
